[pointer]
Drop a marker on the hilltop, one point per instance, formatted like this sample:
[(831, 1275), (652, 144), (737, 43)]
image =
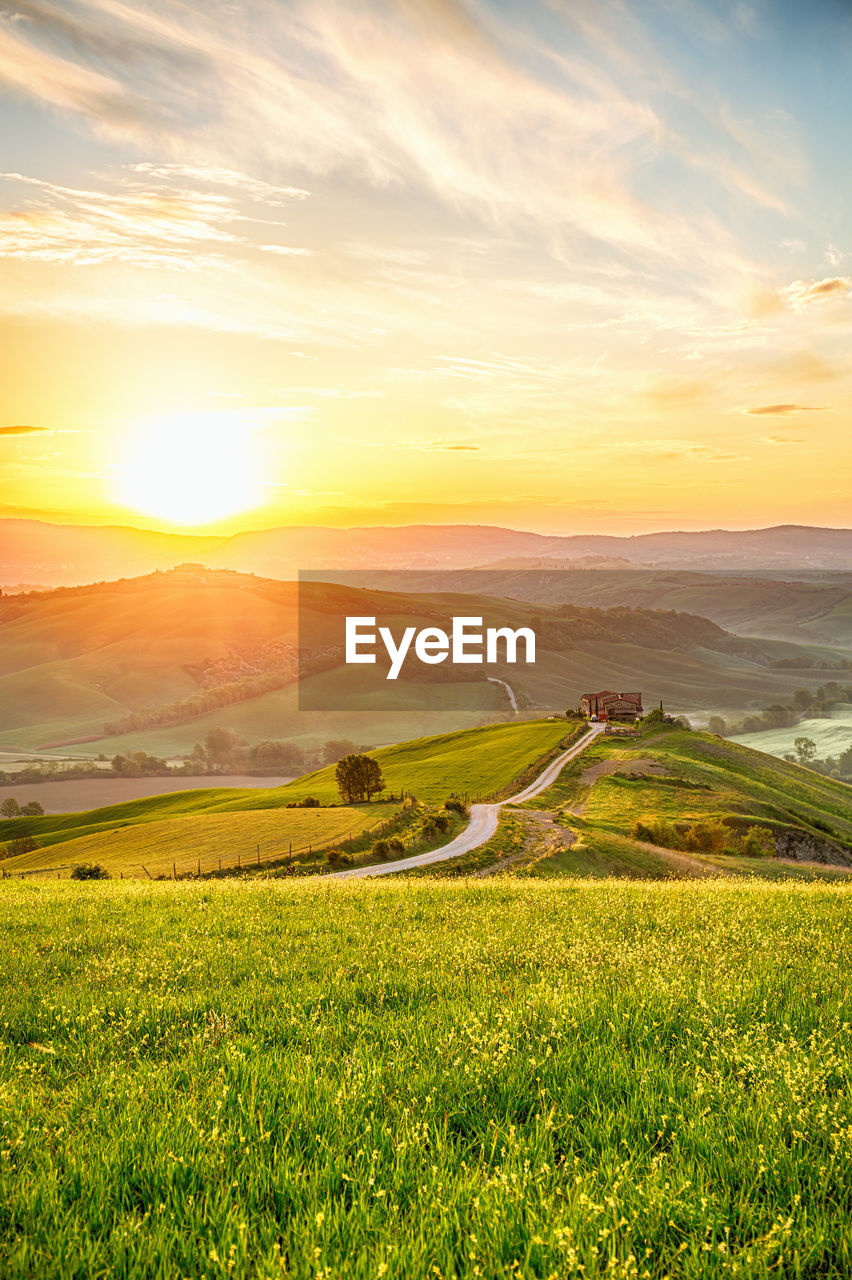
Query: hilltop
[(162, 658), (679, 802), (683, 787)]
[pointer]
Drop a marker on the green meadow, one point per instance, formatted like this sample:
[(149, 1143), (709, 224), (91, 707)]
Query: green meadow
[(206, 826), (425, 1078), (687, 777)]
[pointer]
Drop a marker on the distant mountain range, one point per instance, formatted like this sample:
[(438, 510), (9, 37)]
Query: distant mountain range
[(40, 554)]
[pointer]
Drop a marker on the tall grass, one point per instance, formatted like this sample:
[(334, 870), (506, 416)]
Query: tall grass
[(452, 1079)]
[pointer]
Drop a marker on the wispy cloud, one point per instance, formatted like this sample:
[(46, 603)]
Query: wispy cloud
[(66, 84), (403, 92), (781, 410), (801, 293), (23, 431), (215, 176), (671, 449), (146, 224)]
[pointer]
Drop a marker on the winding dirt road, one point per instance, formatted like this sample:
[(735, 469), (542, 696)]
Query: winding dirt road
[(483, 819)]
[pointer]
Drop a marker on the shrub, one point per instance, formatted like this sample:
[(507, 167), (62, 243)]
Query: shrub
[(757, 843), (396, 846), (705, 837), (339, 858), (441, 822), (381, 848), (657, 831), (455, 805), (654, 717), (89, 871), (21, 844), (309, 802)]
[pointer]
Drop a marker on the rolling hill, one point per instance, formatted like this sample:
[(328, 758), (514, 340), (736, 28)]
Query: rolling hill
[(805, 607), (685, 782), (206, 827), (163, 658), (682, 779)]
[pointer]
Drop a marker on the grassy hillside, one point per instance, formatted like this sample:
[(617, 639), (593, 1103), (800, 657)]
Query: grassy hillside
[(219, 823), (492, 1079), (684, 778), (168, 657), (805, 607), (207, 841)]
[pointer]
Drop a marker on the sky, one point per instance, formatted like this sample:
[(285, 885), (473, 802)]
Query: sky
[(564, 265)]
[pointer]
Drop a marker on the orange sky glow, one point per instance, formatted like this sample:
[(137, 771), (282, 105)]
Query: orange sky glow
[(551, 266)]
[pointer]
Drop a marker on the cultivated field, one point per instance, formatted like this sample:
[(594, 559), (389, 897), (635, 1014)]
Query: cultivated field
[(208, 841), (832, 735), (92, 793), (492, 1079)]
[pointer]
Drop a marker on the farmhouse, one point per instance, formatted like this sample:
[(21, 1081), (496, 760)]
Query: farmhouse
[(608, 705)]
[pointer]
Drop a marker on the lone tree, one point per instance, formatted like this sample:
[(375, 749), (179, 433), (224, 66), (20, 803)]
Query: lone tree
[(358, 778), (805, 749), (10, 808)]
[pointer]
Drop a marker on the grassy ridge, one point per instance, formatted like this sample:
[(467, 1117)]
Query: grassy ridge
[(192, 824), (76, 659), (700, 777), (492, 1079)]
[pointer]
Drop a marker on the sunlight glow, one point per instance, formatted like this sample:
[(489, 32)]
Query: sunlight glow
[(190, 469)]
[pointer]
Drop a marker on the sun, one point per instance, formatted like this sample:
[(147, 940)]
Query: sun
[(190, 469)]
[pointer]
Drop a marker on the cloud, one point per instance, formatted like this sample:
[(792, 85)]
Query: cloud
[(779, 440), (144, 224), (284, 250), (472, 448), (22, 431), (64, 84), (783, 409), (401, 92), (802, 293), (216, 176)]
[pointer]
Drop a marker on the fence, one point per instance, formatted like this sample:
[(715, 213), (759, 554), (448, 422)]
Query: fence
[(256, 854)]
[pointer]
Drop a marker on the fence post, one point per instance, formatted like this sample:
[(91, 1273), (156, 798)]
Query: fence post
[(258, 855), (199, 866), (174, 871), (239, 864)]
